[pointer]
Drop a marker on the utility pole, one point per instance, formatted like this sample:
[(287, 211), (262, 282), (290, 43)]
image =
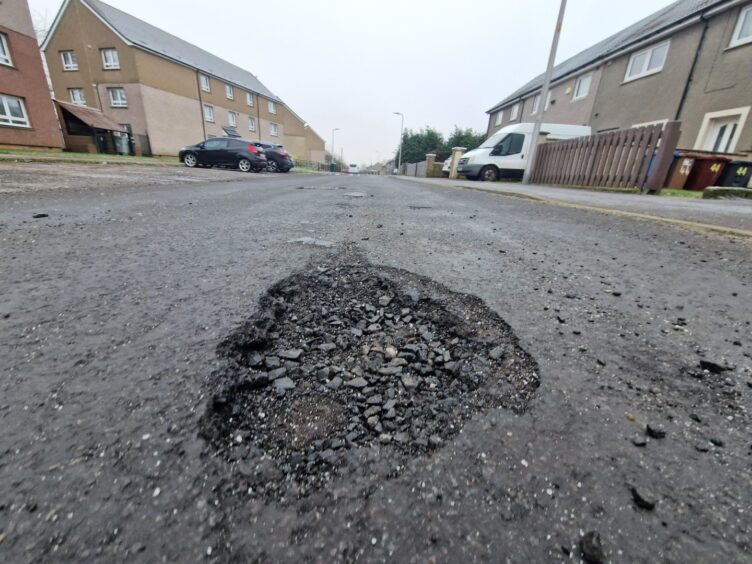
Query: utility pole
[(543, 96), (402, 130), (333, 130)]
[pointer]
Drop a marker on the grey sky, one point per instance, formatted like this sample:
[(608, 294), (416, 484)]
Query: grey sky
[(350, 64)]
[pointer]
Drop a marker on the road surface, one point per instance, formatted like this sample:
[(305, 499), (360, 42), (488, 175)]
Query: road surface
[(113, 306)]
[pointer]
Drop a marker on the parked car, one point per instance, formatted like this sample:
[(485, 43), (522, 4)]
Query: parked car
[(277, 158), (224, 152), (446, 169), (353, 169), (504, 154)]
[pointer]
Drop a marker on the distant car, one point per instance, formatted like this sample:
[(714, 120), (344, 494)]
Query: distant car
[(353, 169), (277, 158), (224, 152)]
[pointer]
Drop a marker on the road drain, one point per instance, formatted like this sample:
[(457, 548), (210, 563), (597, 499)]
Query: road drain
[(347, 360)]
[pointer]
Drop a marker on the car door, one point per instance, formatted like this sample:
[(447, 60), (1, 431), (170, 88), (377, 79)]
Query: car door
[(215, 152), (508, 153)]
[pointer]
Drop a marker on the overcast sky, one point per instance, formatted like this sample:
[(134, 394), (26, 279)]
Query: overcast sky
[(351, 64)]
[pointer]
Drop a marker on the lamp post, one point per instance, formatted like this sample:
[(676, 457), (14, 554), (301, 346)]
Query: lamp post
[(402, 130), (333, 130), (543, 96)]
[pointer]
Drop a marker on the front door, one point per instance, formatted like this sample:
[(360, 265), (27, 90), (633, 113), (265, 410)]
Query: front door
[(721, 134)]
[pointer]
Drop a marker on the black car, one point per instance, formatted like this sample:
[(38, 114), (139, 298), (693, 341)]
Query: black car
[(233, 153), (277, 159)]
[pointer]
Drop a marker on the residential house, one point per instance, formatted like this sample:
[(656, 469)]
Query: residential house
[(691, 61), (27, 115), (165, 91)]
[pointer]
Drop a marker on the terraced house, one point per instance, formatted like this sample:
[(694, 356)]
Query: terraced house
[(167, 92), (691, 61), (27, 116)]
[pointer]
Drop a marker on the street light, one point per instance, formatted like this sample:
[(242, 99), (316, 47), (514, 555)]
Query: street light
[(333, 130), (402, 129)]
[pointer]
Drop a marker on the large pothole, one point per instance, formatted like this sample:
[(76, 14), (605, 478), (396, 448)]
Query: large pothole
[(345, 357)]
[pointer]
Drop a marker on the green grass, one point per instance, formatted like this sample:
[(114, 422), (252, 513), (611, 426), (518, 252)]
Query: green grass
[(671, 193), (93, 158)]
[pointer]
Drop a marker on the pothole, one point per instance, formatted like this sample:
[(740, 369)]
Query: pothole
[(347, 357)]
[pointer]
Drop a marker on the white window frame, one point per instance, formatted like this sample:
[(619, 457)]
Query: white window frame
[(576, 94), (232, 119), (629, 77), (742, 112), (548, 100), (5, 58), (117, 103), (71, 65), (205, 82), (274, 129), (251, 123), (536, 104), (13, 121), (208, 113), (79, 101), (735, 39), (500, 117), (514, 112), (272, 105), (110, 65), (249, 99), (229, 92)]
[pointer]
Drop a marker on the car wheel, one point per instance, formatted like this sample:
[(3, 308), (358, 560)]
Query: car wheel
[(244, 165), (271, 166), (489, 173), (190, 160)]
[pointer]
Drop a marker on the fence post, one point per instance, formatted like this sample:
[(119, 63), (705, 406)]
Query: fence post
[(456, 154), (430, 159), (664, 156)]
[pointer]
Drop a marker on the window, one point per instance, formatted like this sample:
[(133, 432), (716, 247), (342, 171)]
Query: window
[(70, 63), (646, 62), (582, 87), (208, 113), (536, 104), (272, 107), (13, 111), (743, 30), (548, 100), (77, 96), (215, 144), (273, 130), (110, 59), (500, 117), (249, 99), (205, 84), (117, 98), (229, 92), (251, 124), (510, 145), (515, 112), (232, 119), (4, 51)]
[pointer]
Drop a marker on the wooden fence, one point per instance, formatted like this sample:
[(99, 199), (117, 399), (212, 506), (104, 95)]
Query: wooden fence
[(627, 158)]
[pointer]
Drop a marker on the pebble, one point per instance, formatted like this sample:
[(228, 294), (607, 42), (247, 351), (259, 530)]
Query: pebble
[(358, 382), (591, 548), (496, 353), (654, 432), (641, 499), (284, 384), (291, 354), (334, 383)]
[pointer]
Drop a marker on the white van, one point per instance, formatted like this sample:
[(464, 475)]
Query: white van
[(504, 154), (353, 169)]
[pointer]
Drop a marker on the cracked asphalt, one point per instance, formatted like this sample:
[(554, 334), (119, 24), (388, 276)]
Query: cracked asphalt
[(112, 307)]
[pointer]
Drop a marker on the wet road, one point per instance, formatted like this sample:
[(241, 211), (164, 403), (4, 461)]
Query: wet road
[(112, 307)]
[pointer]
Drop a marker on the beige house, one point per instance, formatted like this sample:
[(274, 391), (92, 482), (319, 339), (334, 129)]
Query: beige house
[(691, 61), (167, 92)]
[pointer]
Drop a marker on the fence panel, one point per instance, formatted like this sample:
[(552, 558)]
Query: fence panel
[(627, 158)]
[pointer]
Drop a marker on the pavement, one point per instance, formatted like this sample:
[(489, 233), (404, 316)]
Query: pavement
[(727, 215), (634, 447)]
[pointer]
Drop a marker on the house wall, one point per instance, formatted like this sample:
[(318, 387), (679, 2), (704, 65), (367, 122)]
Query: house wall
[(25, 79), (656, 97), (722, 81), (173, 120)]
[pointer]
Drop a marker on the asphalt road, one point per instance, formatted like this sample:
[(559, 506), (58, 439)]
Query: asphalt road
[(112, 307)]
